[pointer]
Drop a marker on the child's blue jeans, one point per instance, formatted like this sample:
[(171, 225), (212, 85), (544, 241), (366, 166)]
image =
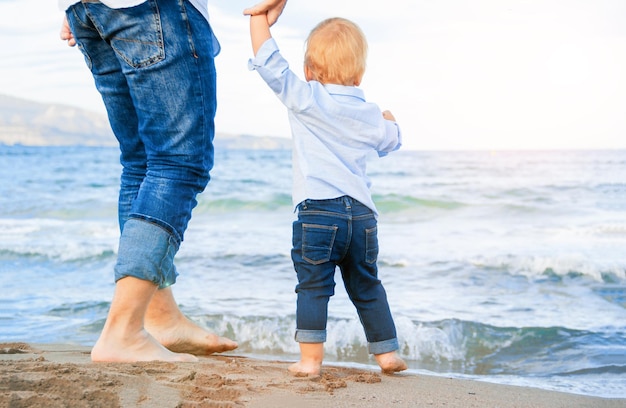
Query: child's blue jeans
[(339, 232), (153, 64)]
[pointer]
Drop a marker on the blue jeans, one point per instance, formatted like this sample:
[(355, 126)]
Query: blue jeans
[(153, 64), (339, 232)]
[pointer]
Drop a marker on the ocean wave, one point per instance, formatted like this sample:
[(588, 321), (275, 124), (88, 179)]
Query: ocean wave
[(264, 201), (67, 256), (449, 345), (612, 230), (270, 203), (608, 369), (74, 240), (608, 229), (397, 202), (538, 351), (615, 294), (541, 267)]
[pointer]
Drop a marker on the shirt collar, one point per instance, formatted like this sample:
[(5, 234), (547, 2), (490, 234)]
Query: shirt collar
[(353, 91)]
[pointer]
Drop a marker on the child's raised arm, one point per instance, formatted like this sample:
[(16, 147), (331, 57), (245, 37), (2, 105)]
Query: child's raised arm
[(259, 31)]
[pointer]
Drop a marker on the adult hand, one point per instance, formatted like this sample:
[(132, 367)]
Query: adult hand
[(66, 33), (273, 8)]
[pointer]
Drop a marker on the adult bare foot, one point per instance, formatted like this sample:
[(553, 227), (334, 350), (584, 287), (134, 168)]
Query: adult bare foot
[(183, 336), (123, 337), (167, 324), (141, 347), (390, 362)]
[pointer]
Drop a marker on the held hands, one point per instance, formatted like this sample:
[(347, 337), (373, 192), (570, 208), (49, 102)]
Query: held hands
[(273, 9), (66, 33), (387, 115)]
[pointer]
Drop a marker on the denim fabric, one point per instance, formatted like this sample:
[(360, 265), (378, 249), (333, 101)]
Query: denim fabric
[(339, 232), (153, 64), (146, 251)]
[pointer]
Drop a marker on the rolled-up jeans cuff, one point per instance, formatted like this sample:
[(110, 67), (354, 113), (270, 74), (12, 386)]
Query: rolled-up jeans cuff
[(146, 251), (310, 336), (385, 346)]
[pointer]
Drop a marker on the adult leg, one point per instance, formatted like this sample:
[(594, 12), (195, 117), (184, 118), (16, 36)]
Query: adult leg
[(160, 178), (123, 337), (192, 116)]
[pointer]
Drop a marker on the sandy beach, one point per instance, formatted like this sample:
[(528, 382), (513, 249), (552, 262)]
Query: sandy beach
[(57, 375)]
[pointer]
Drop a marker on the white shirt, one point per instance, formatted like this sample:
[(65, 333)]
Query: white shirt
[(334, 131), (64, 4), (200, 5)]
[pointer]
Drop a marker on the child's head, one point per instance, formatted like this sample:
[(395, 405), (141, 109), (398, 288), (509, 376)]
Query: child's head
[(336, 51)]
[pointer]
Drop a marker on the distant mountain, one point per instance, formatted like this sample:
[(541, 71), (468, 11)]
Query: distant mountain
[(39, 124)]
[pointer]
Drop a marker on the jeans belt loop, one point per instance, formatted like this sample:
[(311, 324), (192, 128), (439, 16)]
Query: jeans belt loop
[(346, 201)]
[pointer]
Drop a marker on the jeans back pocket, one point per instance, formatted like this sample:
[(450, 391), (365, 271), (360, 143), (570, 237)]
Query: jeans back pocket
[(140, 42), (317, 242)]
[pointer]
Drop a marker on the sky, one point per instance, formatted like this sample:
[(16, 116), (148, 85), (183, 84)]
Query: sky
[(457, 74)]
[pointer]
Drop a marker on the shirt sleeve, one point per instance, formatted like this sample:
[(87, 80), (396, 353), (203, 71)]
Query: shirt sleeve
[(393, 141), (293, 92)]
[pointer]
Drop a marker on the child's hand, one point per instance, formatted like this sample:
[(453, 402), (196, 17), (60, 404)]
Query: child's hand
[(387, 115)]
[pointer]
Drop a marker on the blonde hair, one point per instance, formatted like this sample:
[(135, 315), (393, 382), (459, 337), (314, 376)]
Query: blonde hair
[(336, 52)]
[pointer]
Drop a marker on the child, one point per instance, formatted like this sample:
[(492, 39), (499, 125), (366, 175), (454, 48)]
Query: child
[(334, 130)]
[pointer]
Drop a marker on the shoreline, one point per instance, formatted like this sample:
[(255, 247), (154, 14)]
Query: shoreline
[(59, 375)]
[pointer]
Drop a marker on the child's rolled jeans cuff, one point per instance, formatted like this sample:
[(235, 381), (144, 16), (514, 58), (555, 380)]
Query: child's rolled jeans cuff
[(310, 336), (146, 252), (385, 346)]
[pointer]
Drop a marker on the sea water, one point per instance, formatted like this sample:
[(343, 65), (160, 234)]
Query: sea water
[(507, 267)]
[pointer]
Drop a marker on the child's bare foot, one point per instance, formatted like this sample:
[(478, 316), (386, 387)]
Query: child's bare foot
[(184, 336), (140, 347), (390, 362), (311, 357), (305, 369)]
